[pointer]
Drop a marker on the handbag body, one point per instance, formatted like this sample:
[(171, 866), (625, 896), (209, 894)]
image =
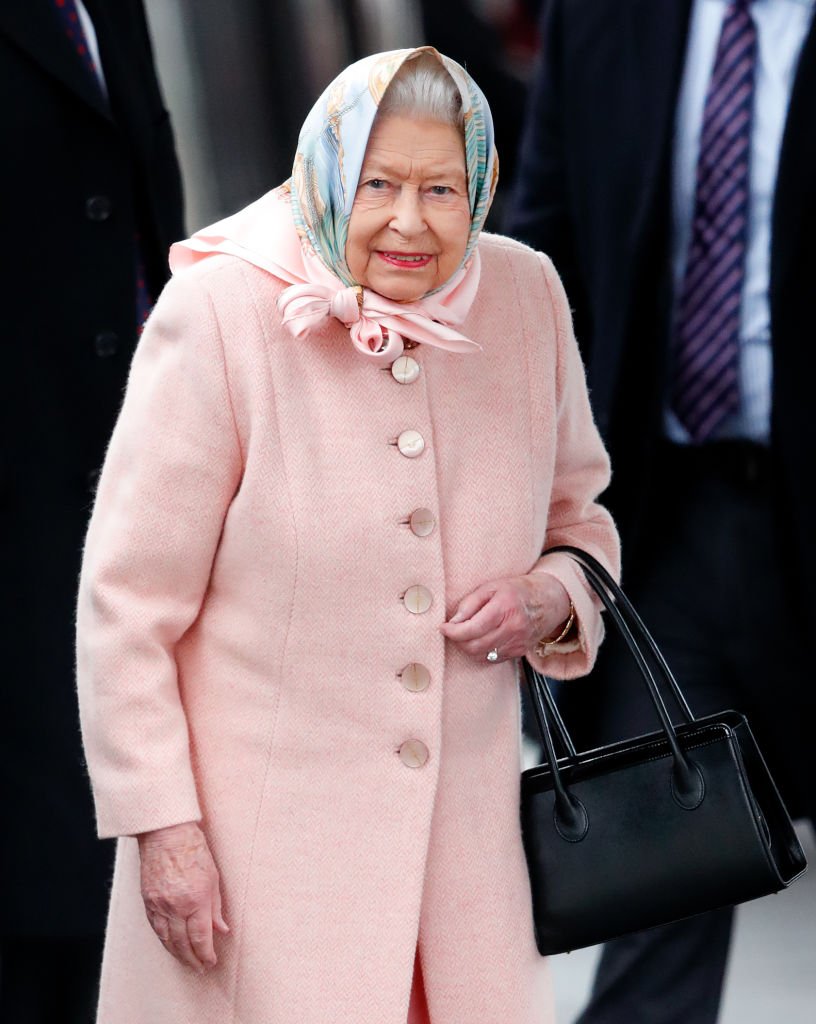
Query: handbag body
[(652, 829)]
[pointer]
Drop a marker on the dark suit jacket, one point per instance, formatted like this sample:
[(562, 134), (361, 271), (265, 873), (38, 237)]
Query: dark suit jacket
[(593, 192), (78, 179)]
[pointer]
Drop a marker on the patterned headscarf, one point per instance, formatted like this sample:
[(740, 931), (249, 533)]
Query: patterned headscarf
[(333, 142), (298, 231)]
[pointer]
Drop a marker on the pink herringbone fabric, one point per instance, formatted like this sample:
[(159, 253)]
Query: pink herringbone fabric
[(241, 632)]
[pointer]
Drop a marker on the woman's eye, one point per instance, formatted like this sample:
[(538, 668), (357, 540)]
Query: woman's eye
[(441, 190), (378, 184)]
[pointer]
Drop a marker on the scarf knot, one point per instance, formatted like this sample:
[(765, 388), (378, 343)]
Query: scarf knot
[(304, 307), (264, 235)]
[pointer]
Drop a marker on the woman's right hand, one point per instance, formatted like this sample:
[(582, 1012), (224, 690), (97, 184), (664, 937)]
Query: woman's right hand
[(181, 892)]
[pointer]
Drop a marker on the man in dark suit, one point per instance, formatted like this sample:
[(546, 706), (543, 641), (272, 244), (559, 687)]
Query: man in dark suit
[(91, 202), (669, 169)]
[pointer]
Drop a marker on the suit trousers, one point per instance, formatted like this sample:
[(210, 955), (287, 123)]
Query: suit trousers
[(710, 580)]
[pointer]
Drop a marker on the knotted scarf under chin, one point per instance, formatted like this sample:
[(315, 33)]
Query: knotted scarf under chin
[(377, 326), (263, 234)]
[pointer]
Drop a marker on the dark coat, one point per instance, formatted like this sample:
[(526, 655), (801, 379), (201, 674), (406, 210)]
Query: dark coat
[(78, 179), (593, 192)]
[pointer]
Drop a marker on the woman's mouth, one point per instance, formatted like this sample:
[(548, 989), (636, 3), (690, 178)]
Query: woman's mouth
[(405, 260)]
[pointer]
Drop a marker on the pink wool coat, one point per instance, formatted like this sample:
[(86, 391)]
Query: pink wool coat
[(242, 630)]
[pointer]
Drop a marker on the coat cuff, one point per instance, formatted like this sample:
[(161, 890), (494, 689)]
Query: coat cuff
[(576, 656), (145, 806)]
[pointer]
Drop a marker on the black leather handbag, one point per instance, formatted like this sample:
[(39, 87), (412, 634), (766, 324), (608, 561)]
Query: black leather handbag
[(652, 829)]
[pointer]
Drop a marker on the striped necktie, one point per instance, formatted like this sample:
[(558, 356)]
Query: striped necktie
[(705, 387)]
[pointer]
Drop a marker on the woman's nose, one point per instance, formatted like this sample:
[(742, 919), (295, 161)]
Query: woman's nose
[(406, 216)]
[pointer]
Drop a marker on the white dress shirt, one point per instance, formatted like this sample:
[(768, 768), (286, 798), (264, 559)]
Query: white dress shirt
[(781, 29)]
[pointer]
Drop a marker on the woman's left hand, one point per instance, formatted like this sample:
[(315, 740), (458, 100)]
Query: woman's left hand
[(509, 615)]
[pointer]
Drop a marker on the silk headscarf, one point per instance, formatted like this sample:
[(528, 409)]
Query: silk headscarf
[(299, 230)]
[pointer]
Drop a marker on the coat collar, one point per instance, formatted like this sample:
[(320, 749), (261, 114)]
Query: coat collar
[(658, 33), (797, 164), (35, 29)]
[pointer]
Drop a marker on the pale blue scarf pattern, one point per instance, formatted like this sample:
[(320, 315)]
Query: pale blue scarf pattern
[(333, 141), (298, 231)]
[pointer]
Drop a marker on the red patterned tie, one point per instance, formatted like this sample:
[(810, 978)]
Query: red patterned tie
[(69, 16), (706, 354)]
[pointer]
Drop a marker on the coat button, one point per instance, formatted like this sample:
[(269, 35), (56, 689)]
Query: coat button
[(415, 677), (405, 370), (413, 753), (106, 344), (418, 599), (422, 522), (98, 208), (411, 443)]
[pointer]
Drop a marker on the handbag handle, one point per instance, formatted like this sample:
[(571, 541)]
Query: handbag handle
[(687, 782), (593, 568), (549, 712)]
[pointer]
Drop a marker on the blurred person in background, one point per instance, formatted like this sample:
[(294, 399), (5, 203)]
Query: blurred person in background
[(669, 170), (352, 425), (496, 41), (91, 201)]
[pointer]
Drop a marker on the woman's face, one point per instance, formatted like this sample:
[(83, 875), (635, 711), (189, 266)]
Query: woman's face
[(410, 222)]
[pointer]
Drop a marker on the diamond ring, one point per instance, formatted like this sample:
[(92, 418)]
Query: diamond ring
[(492, 655)]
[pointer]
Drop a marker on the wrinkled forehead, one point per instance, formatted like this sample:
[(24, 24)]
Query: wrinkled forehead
[(407, 147), (335, 135)]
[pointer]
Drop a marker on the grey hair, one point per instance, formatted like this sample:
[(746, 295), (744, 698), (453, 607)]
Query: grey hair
[(423, 88)]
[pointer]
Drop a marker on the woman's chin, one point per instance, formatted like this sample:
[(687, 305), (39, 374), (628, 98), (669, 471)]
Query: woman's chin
[(414, 296), (399, 289)]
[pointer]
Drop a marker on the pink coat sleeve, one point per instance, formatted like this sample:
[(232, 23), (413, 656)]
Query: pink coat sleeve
[(172, 468), (582, 472)]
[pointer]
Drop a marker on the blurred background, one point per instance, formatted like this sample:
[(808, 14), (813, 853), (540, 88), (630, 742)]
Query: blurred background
[(240, 77)]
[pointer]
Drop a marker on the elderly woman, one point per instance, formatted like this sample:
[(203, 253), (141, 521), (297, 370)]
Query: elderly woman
[(352, 426)]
